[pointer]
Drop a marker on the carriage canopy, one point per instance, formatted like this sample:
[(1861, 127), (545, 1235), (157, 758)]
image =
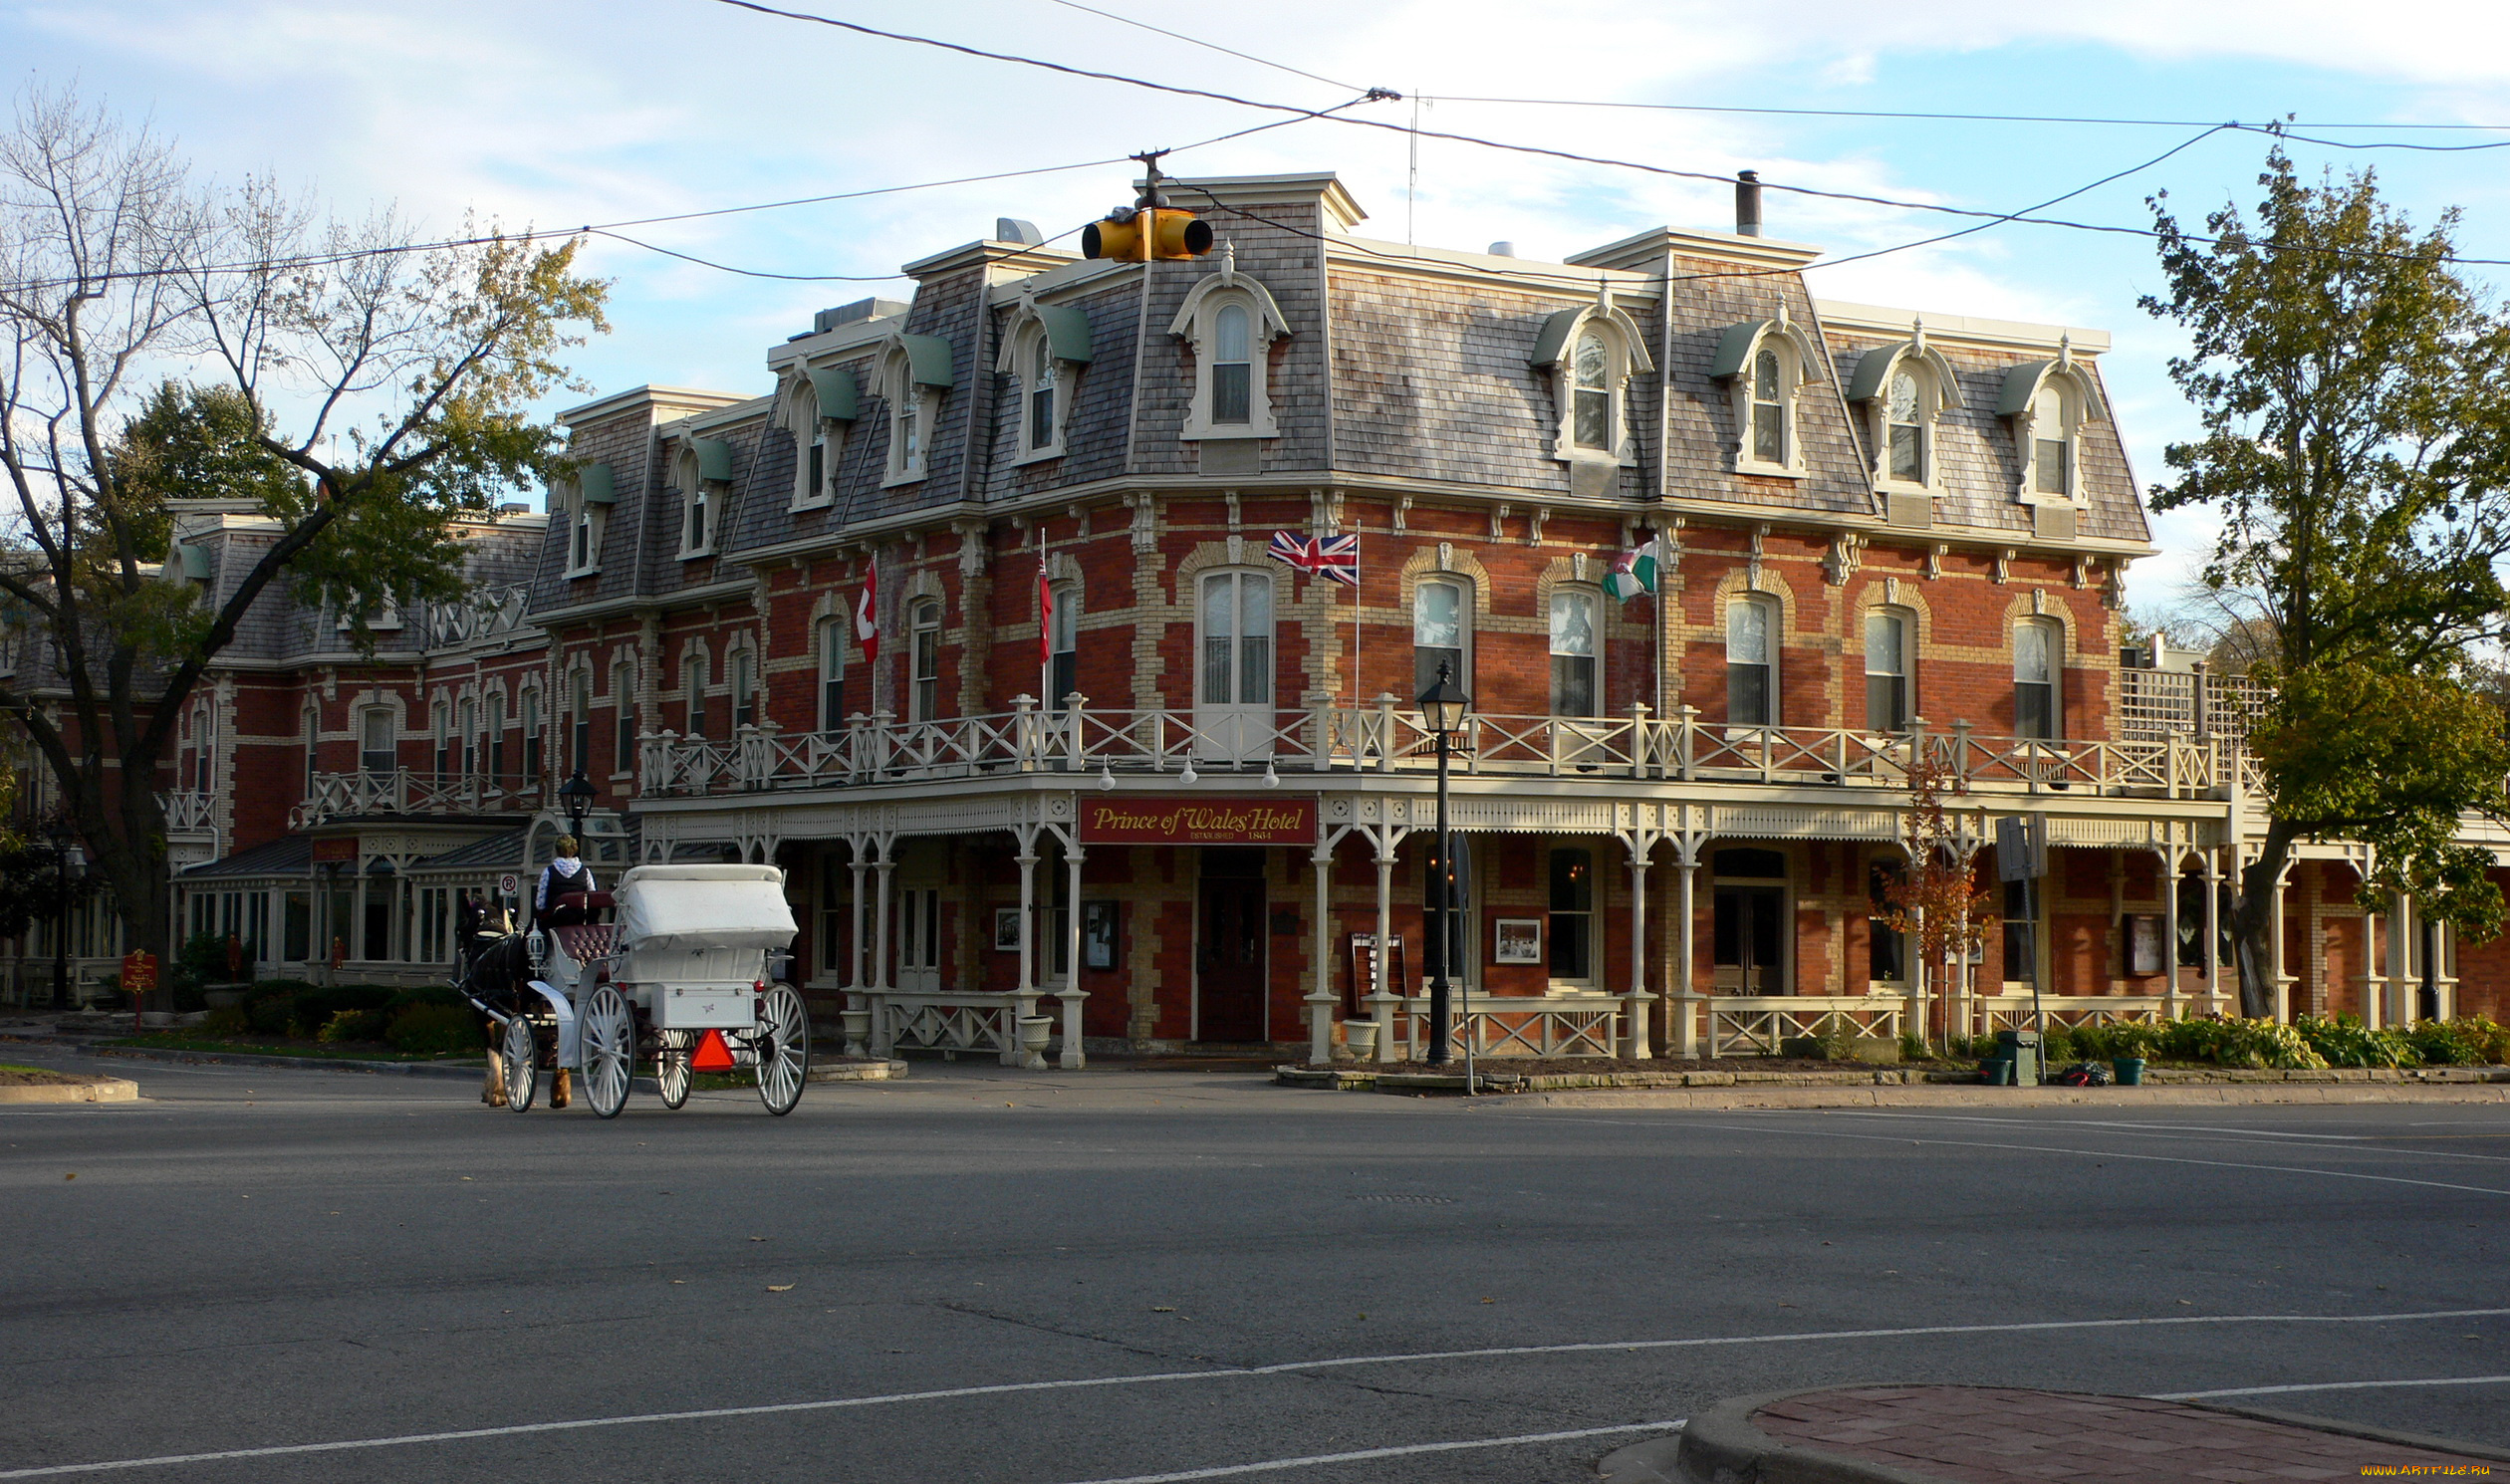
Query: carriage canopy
[(662, 908)]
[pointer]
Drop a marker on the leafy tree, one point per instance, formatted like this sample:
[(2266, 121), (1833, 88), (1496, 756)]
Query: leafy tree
[(1935, 899), (2354, 393), (370, 388)]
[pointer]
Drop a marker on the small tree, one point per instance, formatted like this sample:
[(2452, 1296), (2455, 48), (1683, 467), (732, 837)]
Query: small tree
[(2354, 393), (374, 390), (1935, 900)]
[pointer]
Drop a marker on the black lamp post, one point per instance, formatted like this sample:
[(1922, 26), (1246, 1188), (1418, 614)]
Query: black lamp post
[(1442, 712), (69, 864), (578, 794)]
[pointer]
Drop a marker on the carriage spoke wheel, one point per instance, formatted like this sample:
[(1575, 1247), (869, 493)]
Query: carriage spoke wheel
[(609, 1030), (783, 1044), (522, 1064), (670, 1065)]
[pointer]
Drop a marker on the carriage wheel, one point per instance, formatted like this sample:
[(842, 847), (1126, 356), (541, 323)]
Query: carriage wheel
[(783, 1044), (522, 1064), (670, 1065), (608, 1028)]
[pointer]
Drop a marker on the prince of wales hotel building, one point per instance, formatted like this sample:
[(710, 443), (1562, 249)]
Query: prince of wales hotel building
[(1061, 629)]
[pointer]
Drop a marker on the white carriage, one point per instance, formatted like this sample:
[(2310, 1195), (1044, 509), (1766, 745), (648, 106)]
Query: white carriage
[(681, 976)]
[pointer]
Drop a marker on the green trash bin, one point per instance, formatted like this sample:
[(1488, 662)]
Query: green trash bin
[(2130, 1070), (2022, 1049)]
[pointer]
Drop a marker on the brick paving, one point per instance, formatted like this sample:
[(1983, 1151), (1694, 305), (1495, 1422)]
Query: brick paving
[(1998, 1436)]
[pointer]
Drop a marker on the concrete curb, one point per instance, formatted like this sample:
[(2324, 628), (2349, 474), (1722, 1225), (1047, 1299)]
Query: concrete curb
[(1712, 1098), (2423, 1440), (101, 1089), (472, 1073)]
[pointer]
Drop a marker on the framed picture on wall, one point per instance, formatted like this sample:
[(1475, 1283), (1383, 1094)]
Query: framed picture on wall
[(1364, 969), (1097, 934), (1516, 940), (2143, 943), (1006, 929)]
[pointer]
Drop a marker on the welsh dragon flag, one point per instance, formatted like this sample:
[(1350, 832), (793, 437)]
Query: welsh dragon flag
[(1635, 573)]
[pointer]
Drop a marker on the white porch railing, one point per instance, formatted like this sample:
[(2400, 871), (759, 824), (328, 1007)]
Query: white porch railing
[(970, 1022), (406, 791), (1382, 739), (1755, 1025), (187, 810), (2013, 1012), (2159, 703), (1559, 1024)]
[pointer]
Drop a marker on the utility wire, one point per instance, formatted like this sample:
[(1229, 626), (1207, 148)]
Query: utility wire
[(1380, 95), (1703, 107), (1209, 46)]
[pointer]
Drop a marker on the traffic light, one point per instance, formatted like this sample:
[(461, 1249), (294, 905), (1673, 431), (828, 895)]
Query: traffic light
[(1177, 234)]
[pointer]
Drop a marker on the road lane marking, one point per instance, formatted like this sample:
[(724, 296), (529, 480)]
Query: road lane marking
[(1284, 1367), (2436, 1381), (1271, 1465), (2371, 1143), (1957, 1144)]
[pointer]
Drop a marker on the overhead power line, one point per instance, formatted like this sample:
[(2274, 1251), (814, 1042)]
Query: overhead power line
[(1208, 46), (1540, 150), (1915, 116)]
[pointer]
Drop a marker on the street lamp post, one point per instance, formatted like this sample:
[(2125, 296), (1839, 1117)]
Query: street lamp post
[(1441, 709), (578, 794)]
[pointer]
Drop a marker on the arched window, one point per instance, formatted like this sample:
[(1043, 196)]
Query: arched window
[(1442, 633), (1773, 440), (1574, 658), (1232, 368), (443, 716), (831, 674), (814, 462), (693, 681), (579, 558), (1063, 646), (580, 723), (693, 538), (1751, 663), (744, 688), (1591, 416), (2051, 445), (624, 702), (2038, 670), (467, 752), (1905, 431), (1041, 394), (1886, 660), (924, 697), (1237, 636)]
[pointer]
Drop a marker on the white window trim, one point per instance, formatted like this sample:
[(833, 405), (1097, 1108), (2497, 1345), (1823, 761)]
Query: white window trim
[(693, 487), (2057, 630), (797, 413), (903, 396), (1271, 637), (830, 639), (1799, 364), (1938, 392), (1019, 351), (1594, 596), (1777, 612), (2083, 409), (1626, 356), (916, 628), (1906, 618), (1465, 614), (1194, 324)]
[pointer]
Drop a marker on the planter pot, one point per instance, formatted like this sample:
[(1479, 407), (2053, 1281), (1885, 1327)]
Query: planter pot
[(858, 1025), (1035, 1030), (2130, 1070), (1360, 1036)]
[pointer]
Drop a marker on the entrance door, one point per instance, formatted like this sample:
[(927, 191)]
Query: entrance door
[(920, 940), (1229, 948), (1752, 940)]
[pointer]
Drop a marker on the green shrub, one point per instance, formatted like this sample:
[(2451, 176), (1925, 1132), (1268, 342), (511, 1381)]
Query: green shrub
[(352, 1025), (2345, 1042), (2489, 1037), (431, 1030), (2443, 1043), (227, 1023), (2111, 1042), (271, 1015)]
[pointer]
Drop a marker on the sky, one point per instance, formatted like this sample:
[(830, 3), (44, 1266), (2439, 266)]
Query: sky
[(559, 113)]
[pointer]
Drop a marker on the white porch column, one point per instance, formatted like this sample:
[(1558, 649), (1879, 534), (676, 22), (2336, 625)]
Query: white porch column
[(2213, 932), (1320, 1000), (1072, 1059), (2274, 955), (881, 915), (1027, 987), (1383, 1001), (1634, 1022), (1681, 1002)]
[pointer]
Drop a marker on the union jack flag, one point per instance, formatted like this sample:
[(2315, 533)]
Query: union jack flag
[(1332, 558)]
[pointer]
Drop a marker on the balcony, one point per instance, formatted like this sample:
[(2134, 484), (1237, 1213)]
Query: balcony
[(187, 811), (1384, 740), (405, 791)]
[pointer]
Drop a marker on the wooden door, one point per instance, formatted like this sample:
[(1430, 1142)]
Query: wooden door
[(1229, 960), (1751, 946)]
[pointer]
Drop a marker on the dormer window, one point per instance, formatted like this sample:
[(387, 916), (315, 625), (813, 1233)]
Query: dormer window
[(1905, 389), (704, 472), (2048, 403), (1767, 363), (916, 371), (1592, 351), (1045, 348), (817, 407), (1230, 321)]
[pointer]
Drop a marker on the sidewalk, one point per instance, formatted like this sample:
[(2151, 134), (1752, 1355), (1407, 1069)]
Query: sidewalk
[(2001, 1435)]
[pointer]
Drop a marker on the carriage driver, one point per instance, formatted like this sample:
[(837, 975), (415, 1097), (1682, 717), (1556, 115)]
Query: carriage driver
[(564, 873)]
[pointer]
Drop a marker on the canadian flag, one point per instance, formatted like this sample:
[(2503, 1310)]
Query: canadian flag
[(868, 612), (1045, 616)]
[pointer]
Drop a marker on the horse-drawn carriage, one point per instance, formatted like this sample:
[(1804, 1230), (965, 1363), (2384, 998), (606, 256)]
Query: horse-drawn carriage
[(673, 967)]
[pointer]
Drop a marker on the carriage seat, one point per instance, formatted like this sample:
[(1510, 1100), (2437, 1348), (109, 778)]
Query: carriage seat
[(586, 941)]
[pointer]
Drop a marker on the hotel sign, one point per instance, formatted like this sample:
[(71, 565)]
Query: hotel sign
[(1156, 821)]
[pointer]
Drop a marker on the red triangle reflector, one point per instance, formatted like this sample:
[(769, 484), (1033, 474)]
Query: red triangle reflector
[(711, 1054)]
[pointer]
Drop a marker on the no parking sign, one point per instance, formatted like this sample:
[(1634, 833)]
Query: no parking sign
[(509, 886)]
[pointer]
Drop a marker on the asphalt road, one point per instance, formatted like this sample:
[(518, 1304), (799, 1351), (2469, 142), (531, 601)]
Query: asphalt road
[(905, 1281)]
